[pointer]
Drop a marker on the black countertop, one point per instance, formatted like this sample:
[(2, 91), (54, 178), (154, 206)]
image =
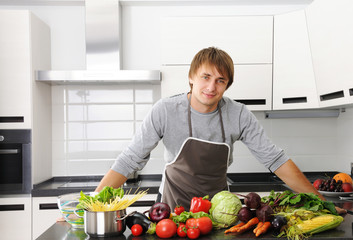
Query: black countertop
[(63, 231), (238, 182)]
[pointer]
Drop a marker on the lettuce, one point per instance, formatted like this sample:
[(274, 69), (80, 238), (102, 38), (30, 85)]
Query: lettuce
[(106, 195)]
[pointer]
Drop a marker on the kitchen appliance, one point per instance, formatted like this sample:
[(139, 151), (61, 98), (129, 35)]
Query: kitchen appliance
[(102, 51), (15, 161)]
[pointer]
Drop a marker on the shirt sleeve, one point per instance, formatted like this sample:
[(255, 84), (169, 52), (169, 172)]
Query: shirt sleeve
[(254, 137), (146, 138)]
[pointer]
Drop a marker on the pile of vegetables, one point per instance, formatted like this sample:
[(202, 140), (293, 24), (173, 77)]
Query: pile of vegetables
[(299, 215)]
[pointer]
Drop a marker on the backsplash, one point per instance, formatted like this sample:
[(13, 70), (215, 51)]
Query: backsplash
[(92, 124)]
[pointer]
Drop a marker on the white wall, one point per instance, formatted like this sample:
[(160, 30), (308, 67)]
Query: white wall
[(82, 143)]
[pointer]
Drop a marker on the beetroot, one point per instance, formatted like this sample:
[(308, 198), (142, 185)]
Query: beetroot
[(245, 214), (264, 213)]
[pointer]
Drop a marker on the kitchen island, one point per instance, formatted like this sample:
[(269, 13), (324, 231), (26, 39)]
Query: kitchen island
[(63, 231)]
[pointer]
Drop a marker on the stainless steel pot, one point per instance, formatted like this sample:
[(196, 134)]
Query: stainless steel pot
[(105, 224)]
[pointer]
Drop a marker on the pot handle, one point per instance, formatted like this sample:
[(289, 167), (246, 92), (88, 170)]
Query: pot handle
[(122, 218), (77, 213)]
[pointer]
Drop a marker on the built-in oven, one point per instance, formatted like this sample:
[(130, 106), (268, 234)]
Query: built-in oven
[(15, 161)]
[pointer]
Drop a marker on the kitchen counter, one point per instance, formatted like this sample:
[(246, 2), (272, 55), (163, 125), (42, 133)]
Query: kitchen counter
[(63, 230), (238, 182)]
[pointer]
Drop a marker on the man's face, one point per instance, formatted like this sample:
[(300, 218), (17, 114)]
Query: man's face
[(208, 86)]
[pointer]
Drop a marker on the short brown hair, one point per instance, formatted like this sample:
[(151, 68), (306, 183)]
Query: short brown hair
[(214, 57)]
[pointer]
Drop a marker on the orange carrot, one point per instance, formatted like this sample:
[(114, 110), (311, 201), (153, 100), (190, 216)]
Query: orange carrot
[(232, 229), (263, 229), (258, 226), (245, 227)]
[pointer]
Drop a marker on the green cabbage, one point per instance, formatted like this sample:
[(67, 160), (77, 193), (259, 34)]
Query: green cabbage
[(225, 207)]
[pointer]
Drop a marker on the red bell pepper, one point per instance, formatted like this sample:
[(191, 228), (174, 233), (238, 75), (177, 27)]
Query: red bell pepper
[(199, 204)]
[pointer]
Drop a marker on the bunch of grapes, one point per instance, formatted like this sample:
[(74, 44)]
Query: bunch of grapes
[(331, 185)]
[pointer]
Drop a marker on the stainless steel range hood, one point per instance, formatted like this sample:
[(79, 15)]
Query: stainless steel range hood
[(103, 60)]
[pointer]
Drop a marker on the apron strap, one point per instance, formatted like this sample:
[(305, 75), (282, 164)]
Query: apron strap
[(220, 118)]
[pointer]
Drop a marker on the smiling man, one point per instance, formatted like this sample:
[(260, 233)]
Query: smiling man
[(198, 130)]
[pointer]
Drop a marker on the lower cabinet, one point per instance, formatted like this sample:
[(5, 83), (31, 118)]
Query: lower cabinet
[(45, 212), (15, 218)]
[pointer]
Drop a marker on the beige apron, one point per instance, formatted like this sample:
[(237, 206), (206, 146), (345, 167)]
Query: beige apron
[(200, 169)]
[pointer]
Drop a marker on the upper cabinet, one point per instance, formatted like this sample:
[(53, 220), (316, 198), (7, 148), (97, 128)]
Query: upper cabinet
[(247, 39), (24, 47), (294, 84), (330, 27)]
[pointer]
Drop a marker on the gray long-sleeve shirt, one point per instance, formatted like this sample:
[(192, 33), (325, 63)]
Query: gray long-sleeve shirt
[(168, 120)]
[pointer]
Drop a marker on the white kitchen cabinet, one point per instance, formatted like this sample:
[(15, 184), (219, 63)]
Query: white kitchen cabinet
[(330, 25), (252, 84), (25, 103), (45, 212), (247, 39), (15, 217), (143, 204), (294, 85)]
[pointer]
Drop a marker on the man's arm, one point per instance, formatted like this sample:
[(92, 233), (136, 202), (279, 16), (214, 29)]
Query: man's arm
[(111, 179), (295, 179)]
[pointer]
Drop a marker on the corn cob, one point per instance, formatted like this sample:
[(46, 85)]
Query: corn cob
[(320, 224)]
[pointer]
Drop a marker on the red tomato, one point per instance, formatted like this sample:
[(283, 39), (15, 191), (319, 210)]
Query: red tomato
[(181, 231), (193, 233), (191, 223), (178, 210), (166, 228), (204, 224), (136, 230)]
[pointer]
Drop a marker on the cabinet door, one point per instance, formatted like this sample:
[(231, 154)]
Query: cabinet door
[(143, 204), (15, 218), (15, 69), (252, 84), (45, 213), (330, 25), (247, 39), (294, 85)]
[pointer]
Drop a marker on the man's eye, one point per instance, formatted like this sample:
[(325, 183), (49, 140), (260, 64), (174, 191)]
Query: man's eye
[(221, 81), (205, 77)]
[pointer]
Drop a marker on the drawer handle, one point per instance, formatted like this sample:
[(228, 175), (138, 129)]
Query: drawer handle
[(251, 101), (351, 91), (333, 95), (12, 207), (12, 119), (47, 206), (294, 100)]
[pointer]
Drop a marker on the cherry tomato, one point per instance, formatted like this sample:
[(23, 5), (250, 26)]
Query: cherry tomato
[(204, 224), (181, 231), (178, 210), (136, 230), (193, 233), (166, 228)]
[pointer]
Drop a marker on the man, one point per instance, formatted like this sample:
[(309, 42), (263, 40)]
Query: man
[(198, 130)]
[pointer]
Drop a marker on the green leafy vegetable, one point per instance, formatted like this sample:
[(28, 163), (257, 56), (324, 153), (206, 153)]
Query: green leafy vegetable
[(308, 201), (106, 195)]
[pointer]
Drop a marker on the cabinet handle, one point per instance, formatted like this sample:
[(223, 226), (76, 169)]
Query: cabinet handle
[(8, 151), (12, 119), (251, 101), (333, 95), (12, 207), (47, 206), (294, 100), (351, 91)]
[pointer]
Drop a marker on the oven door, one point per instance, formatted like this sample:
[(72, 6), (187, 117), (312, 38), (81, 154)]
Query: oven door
[(15, 167)]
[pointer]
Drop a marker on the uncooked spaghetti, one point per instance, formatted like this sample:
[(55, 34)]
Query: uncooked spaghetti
[(113, 205)]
